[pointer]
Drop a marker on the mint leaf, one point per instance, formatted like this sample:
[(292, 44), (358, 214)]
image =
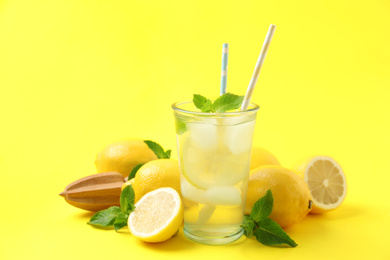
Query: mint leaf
[(158, 150), (134, 171), (114, 215), (248, 225), (121, 221), (204, 104), (227, 102), (263, 207), (207, 107), (270, 233), (180, 127), (105, 217), (199, 101), (222, 104), (127, 199), (266, 231)]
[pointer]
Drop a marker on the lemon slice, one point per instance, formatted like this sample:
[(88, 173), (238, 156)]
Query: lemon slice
[(326, 181), (157, 215), (204, 169)]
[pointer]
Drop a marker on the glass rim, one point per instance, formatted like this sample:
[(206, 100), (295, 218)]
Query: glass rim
[(175, 106)]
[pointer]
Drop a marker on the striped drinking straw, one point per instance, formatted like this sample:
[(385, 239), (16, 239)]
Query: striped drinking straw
[(258, 66), (225, 54)]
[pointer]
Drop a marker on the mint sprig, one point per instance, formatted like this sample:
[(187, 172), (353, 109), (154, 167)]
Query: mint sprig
[(105, 218), (158, 150), (222, 104), (266, 231), (116, 216)]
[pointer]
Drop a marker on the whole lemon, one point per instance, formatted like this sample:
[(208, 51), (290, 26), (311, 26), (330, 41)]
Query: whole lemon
[(123, 156), (156, 174), (127, 183), (261, 157), (292, 199)]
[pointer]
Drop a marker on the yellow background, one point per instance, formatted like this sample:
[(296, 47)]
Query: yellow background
[(76, 75)]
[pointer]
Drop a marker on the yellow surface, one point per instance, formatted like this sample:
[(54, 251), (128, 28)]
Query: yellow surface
[(78, 75)]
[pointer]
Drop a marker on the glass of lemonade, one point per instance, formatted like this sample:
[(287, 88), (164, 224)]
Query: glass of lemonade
[(214, 152)]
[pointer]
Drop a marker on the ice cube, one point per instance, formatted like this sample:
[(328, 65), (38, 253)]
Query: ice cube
[(203, 135), (223, 195), (239, 138), (190, 192), (193, 154), (196, 167), (230, 169)]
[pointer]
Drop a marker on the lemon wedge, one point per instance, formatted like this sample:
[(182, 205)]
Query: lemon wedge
[(326, 181), (157, 215)]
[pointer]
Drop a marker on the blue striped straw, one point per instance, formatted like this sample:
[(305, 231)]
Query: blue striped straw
[(225, 54)]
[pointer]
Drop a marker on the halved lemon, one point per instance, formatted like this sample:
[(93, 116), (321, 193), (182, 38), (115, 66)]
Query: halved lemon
[(157, 215), (326, 181)]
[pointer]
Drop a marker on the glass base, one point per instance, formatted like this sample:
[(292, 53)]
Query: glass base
[(214, 240)]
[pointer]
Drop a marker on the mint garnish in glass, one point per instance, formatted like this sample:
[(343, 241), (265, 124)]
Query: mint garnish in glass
[(222, 104)]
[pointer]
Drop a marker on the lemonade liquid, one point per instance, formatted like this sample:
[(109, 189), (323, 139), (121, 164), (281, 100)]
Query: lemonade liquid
[(214, 155)]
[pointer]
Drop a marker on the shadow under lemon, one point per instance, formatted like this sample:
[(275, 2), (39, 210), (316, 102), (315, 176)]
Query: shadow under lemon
[(181, 242), (314, 225), (176, 243)]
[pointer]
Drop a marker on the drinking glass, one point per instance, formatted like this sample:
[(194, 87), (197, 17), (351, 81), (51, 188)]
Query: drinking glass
[(214, 151)]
